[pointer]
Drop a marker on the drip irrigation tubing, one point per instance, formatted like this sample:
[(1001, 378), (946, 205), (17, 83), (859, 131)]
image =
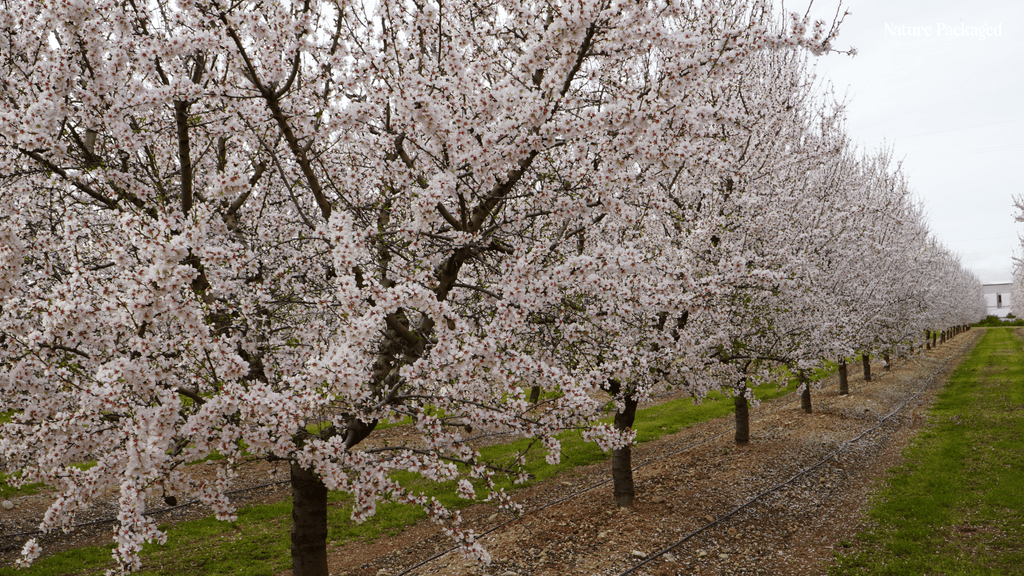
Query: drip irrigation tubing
[(439, 555), (443, 553), (831, 456), (560, 500), (549, 504)]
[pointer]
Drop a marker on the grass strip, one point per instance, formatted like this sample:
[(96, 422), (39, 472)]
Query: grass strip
[(8, 491), (258, 542), (956, 504)]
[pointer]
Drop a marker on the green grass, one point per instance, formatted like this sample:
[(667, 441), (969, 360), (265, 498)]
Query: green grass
[(258, 542), (8, 491), (89, 560), (956, 505)]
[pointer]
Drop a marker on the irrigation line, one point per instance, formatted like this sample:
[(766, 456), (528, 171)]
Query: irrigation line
[(588, 488), (832, 456), (193, 502), (560, 500), (637, 467), (547, 505)]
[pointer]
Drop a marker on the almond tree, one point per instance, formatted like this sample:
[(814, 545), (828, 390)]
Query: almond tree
[(904, 280), (763, 225), (259, 230), (852, 261), (869, 274), (685, 204), (1017, 291)]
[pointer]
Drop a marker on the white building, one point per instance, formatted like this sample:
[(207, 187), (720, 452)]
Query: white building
[(997, 296)]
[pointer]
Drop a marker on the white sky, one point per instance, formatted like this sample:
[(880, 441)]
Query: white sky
[(951, 107)]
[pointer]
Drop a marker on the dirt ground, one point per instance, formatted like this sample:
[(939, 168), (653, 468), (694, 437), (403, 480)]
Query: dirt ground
[(696, 478), (691, 485)]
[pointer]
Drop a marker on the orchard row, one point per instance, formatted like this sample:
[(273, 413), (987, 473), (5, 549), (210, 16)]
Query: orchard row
[(261, 229)]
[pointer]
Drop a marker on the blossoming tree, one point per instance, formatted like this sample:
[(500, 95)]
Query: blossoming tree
[(261, 229)]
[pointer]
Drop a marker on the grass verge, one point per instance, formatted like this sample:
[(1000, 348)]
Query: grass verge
[(258, 542), (956, 505), (8, 491)]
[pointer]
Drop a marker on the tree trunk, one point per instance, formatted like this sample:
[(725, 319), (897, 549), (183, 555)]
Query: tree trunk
[(805, 397), (935, 336), (844, 384), (534, 394), (309, 523), (622, 466), (742, 417), (888, 363), (867, 367)]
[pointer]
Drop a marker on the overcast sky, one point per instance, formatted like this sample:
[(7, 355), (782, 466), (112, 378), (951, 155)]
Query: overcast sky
[(942, 83)]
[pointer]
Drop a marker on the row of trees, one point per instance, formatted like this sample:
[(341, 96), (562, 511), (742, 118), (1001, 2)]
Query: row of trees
[(1017, 284), (1017, 289), (262, 229)]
